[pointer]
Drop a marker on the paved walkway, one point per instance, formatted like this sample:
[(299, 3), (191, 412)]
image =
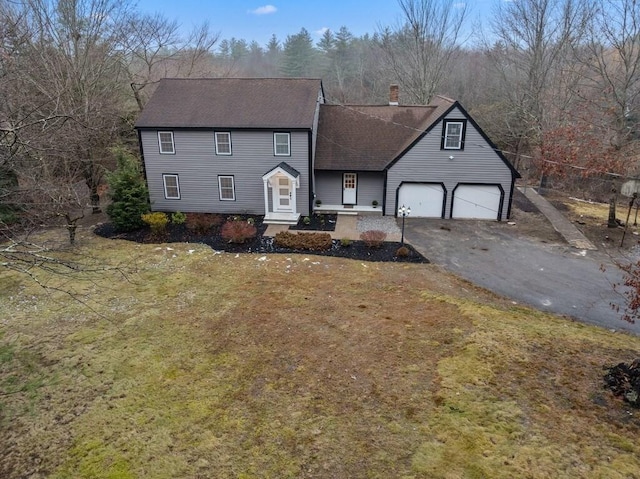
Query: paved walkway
[(346, 228), (560, 223)]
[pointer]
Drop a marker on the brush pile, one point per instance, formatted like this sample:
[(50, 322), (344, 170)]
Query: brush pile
[(624, 380)]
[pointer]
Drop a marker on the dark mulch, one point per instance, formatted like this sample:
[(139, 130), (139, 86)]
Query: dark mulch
[(316, 222), (261, 244)]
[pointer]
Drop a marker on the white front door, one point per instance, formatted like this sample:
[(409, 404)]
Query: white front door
[(282, 195), (349, 187)]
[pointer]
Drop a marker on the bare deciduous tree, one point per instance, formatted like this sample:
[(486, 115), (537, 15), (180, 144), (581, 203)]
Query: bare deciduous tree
[(154, 48), (610, 61), (418, 52), (531, 52)]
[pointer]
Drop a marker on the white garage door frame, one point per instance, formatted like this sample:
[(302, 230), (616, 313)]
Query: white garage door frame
[(436, 193), (477, 201)]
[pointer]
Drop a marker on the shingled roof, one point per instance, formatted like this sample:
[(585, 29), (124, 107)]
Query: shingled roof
[(272, 103), (368, 138)]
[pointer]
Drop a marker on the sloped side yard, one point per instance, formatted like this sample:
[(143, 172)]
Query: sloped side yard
[(205, 364)]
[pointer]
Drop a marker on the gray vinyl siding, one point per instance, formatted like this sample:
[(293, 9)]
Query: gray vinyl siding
[(370, 187), (198, 168), (426, 162)]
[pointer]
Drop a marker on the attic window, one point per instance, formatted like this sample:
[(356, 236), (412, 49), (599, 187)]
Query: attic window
[(453, 135), (223, 143), (165, 140), (281, 144)]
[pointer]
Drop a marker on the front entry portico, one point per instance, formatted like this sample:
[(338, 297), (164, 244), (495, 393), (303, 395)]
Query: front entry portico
[(281, 204)]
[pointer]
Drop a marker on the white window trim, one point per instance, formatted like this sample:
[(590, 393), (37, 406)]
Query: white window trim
[(446, 135), (173, 144), (164, 182), (233, 188), (275, 149), (216, 141)]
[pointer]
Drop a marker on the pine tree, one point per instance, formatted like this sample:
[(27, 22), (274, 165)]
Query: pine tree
[(129, 193), (298, 55)]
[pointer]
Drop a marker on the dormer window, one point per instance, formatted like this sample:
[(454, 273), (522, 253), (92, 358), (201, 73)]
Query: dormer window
[(453, 134), (165, 140), (223, 143)]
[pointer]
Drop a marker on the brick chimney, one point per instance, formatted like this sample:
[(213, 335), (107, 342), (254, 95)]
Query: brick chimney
[(393, 95)]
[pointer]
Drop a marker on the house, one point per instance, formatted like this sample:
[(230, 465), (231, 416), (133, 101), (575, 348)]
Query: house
[(274, 147)]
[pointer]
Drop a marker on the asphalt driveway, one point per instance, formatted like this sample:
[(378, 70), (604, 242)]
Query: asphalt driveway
[(551, 277)]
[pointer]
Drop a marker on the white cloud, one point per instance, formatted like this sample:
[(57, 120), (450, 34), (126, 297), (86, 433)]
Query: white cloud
[(265, 10), (459, 5), (321, 31)]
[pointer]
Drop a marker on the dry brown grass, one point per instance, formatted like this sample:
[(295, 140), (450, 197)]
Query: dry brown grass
[(217, 365), (598, 211)]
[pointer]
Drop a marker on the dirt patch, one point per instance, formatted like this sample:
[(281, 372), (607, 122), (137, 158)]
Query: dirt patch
[(529, 222)]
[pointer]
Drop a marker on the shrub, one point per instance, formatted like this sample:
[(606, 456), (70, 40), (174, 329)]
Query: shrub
[(306, 220), (201, 223), (373, 238), (238, 231), (403, 252), (318, 202), (158, 222), (303, 241), (344, 242), (128, 192), (178, 218)]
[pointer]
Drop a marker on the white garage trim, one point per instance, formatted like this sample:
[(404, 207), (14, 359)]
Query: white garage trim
[(477, 201), (426, 200)]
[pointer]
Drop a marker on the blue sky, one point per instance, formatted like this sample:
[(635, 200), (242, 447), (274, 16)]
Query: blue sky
[(255, 20)]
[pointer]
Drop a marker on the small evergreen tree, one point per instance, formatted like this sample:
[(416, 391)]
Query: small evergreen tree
[(129, 193)]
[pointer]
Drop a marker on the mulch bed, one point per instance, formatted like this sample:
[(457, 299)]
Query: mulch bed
[(316, 222), (624, 381), (261, 244)]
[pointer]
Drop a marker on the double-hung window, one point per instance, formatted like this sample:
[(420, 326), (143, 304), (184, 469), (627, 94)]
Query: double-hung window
[(171, 187), (453, 137), (165, 140), (226, 188), (223, 143), (282, 144)]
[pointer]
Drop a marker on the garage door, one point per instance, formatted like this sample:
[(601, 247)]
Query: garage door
[(476, 201), (425, 200)]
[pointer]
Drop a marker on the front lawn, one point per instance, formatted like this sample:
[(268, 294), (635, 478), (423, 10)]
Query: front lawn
[(195, 363)]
